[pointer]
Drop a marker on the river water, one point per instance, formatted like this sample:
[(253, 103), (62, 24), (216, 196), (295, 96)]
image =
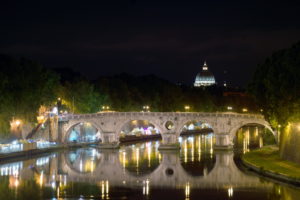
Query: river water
[(140, 171)]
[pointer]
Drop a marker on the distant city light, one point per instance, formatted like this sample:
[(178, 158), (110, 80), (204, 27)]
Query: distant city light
[(105, 108), (146, 108), (18, 122), (40, 119), (245, 110), (55, 110), (187, 108), (229, 108)]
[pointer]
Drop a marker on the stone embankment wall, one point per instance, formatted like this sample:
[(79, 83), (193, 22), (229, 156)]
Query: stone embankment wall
[(290, 143)]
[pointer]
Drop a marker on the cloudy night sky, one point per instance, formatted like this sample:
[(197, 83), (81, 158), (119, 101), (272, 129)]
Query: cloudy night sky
[(169, 39)]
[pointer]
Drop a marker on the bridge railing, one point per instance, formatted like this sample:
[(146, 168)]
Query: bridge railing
[(66, 117)]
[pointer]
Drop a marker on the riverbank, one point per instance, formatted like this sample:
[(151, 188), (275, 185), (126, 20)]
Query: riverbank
[(267, 162), (34, 152)]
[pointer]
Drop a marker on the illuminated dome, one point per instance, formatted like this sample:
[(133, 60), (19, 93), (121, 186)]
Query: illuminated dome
[(204, 78)]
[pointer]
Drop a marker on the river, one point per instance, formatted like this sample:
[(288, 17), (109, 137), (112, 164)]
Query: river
[(140, 171)]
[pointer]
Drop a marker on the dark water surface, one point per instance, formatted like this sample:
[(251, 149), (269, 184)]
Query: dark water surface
[(140, 171)]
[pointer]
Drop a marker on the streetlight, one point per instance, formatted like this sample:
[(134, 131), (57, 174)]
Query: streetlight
[(229, 107), (245, 110), (17, 122), (146, 108), (105, 108), (16, 127), (187, 108)]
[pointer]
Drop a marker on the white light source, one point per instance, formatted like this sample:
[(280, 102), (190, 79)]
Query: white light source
[(55, 110)]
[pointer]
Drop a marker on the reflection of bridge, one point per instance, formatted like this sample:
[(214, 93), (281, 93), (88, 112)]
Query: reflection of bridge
[(169, 173), (110, 125)]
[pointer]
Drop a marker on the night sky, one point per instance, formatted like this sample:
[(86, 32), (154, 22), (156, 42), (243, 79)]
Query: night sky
[(170, 39)]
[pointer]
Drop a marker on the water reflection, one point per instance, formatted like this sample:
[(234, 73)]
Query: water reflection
[(138, 171), (197, 153), (140, 158), (83, 160), (251, 137)]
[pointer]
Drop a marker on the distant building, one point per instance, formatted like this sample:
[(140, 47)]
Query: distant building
[(204, 77)]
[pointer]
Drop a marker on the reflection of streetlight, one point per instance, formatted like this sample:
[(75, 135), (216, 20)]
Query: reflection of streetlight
[(230, 192), (187, 108)]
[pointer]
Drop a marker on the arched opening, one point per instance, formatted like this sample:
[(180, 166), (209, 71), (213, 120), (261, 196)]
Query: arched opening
[(196, 127), (251, 136), (137, 129), (197, 154), (83, 160), (141, 158), (83, 132)]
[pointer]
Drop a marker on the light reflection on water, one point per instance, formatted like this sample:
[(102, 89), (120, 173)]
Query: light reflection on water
[(251, 137), (140, 171)]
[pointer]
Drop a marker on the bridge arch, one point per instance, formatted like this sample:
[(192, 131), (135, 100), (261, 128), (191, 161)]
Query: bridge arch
[(188, 121), (127, 121), (71, 126), (234, 130)]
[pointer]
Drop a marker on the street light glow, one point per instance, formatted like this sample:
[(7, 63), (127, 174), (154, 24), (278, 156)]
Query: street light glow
[(187, 108), (17, 122)]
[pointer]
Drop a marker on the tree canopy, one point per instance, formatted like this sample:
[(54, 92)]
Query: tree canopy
[(276, 86), (24, 86)]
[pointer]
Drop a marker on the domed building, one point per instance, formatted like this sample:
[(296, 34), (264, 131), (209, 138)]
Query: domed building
[(204, 77)]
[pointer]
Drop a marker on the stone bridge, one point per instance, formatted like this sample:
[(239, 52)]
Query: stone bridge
[(110, 124)]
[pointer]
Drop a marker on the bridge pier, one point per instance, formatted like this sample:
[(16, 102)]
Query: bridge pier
[(169, 142), (109, 141), (223, 141)]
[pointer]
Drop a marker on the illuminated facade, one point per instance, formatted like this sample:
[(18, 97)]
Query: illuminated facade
[(204, 78)]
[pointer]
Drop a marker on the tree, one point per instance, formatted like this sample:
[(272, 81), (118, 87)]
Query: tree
[(276, 86), (24, 86), (81, 95)]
